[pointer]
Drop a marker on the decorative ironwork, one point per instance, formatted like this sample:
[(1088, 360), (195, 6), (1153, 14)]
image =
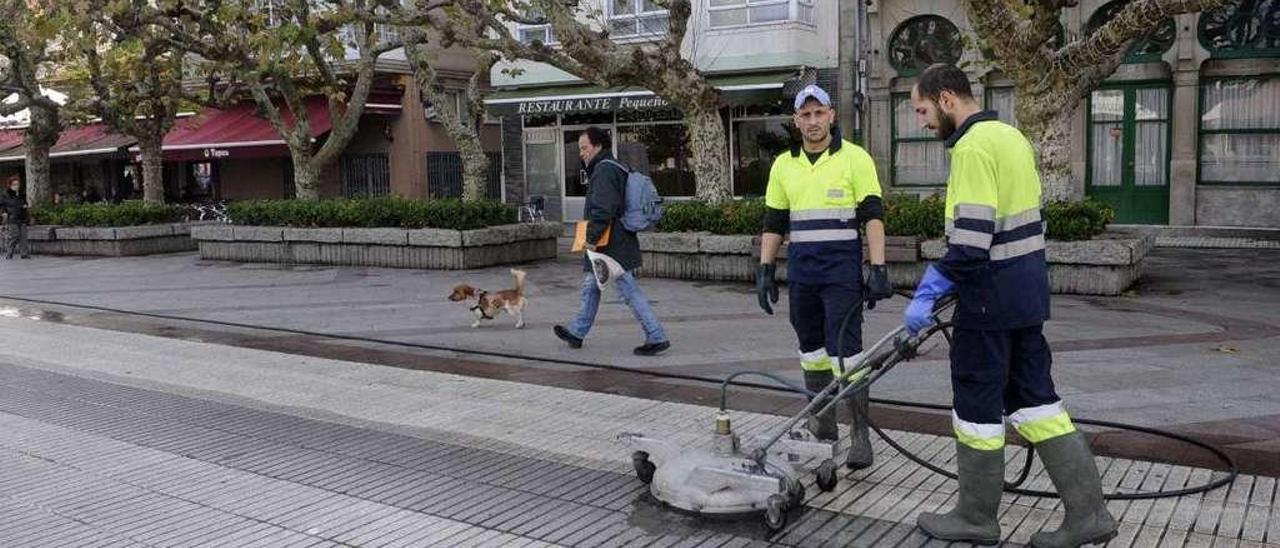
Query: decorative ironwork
[(922, 41), (1242, 28), (1144, 50)]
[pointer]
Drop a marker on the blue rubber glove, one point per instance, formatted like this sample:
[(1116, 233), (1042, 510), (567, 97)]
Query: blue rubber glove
[(919, 314)]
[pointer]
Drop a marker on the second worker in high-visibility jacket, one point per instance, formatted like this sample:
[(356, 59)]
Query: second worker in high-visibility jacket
[(821, 192), (1000, 360)]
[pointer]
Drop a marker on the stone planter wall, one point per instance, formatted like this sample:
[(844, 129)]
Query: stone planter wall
[(1106, 265), (706, 256), (111, 241), (386, 247)]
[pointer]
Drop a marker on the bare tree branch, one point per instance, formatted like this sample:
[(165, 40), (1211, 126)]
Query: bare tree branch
[(1135, 20)]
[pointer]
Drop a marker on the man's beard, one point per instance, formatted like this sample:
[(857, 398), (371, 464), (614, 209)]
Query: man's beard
[(945, 125)]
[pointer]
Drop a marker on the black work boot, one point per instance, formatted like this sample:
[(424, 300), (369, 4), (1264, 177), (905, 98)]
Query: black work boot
[(824, 427), (1070, 464), (975, 517)]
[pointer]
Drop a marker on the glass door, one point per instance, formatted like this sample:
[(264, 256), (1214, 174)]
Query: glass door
[(1129, 152), (542, 169)]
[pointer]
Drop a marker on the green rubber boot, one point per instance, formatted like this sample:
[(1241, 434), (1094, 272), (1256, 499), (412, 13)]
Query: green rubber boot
[(860, 455), (975, 517), (1070, 464), (823, 427)]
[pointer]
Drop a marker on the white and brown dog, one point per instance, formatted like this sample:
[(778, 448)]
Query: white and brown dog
[(488, 304)]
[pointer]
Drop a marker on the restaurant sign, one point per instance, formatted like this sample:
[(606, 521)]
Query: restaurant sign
[(586, 104)]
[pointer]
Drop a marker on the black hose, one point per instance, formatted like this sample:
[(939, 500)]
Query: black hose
[(1230, 465), (1015, 485), (724, 385)]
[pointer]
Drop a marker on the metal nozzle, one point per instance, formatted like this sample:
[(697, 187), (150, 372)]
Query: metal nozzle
[(722, 424)]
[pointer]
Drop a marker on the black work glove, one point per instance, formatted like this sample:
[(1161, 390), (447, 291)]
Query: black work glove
[(876, 287), (766, 288)]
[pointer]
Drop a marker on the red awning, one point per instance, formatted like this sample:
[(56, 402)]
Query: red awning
[(10, 138), (94, 139), (237, 132)]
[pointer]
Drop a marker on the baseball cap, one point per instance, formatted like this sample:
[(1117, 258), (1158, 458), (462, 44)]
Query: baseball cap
[(812, 91)]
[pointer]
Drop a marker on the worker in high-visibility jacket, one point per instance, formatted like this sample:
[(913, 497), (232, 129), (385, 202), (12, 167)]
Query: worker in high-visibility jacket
[(995, 262), (821, 192)]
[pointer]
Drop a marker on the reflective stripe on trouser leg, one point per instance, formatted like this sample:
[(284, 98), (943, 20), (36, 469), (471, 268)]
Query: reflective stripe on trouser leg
[(818, 360), (817, 377), (1042, 423), (980, 436)]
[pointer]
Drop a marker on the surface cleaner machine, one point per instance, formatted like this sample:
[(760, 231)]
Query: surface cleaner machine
[(763, 473)]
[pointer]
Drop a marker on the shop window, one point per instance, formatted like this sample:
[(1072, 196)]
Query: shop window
[(634, 18), (444, 175), (1240, 131), (200, 186), (732, 13), (756, 144), (919, 157), (1242, 28), (662, 152), (541, 120), (922, 41), (365, 175), (1145, 50)]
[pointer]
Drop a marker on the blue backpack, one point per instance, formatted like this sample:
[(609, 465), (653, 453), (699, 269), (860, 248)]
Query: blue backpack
[(644, 204)]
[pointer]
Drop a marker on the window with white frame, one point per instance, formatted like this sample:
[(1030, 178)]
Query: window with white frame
[(453, 104), (730, 13), (629, 18), (528, 34)]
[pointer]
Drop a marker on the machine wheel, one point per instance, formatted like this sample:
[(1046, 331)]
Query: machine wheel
[(775, 513), (644, 467), (795, 494), (826, 475)]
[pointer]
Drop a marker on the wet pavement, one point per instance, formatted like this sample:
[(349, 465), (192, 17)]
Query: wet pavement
[(113, 438)]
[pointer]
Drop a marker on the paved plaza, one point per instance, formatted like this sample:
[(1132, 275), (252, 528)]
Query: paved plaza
[(152, 430)]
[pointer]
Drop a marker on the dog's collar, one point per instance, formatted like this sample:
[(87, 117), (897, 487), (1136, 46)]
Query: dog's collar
[(480, 305)]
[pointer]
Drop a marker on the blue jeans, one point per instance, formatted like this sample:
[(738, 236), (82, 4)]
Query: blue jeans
[(631, 294)]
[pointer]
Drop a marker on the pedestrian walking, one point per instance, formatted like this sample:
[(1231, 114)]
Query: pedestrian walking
[(605, 234), (16, 218)]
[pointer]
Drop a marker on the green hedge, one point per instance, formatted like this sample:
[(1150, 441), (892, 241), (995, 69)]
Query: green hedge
[(908, 215), (129, 213), (1070, 221), (737, 217), (905, 215), (372, 212)]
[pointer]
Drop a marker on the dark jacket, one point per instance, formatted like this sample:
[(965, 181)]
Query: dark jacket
[(15, 208), (606, 202)]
